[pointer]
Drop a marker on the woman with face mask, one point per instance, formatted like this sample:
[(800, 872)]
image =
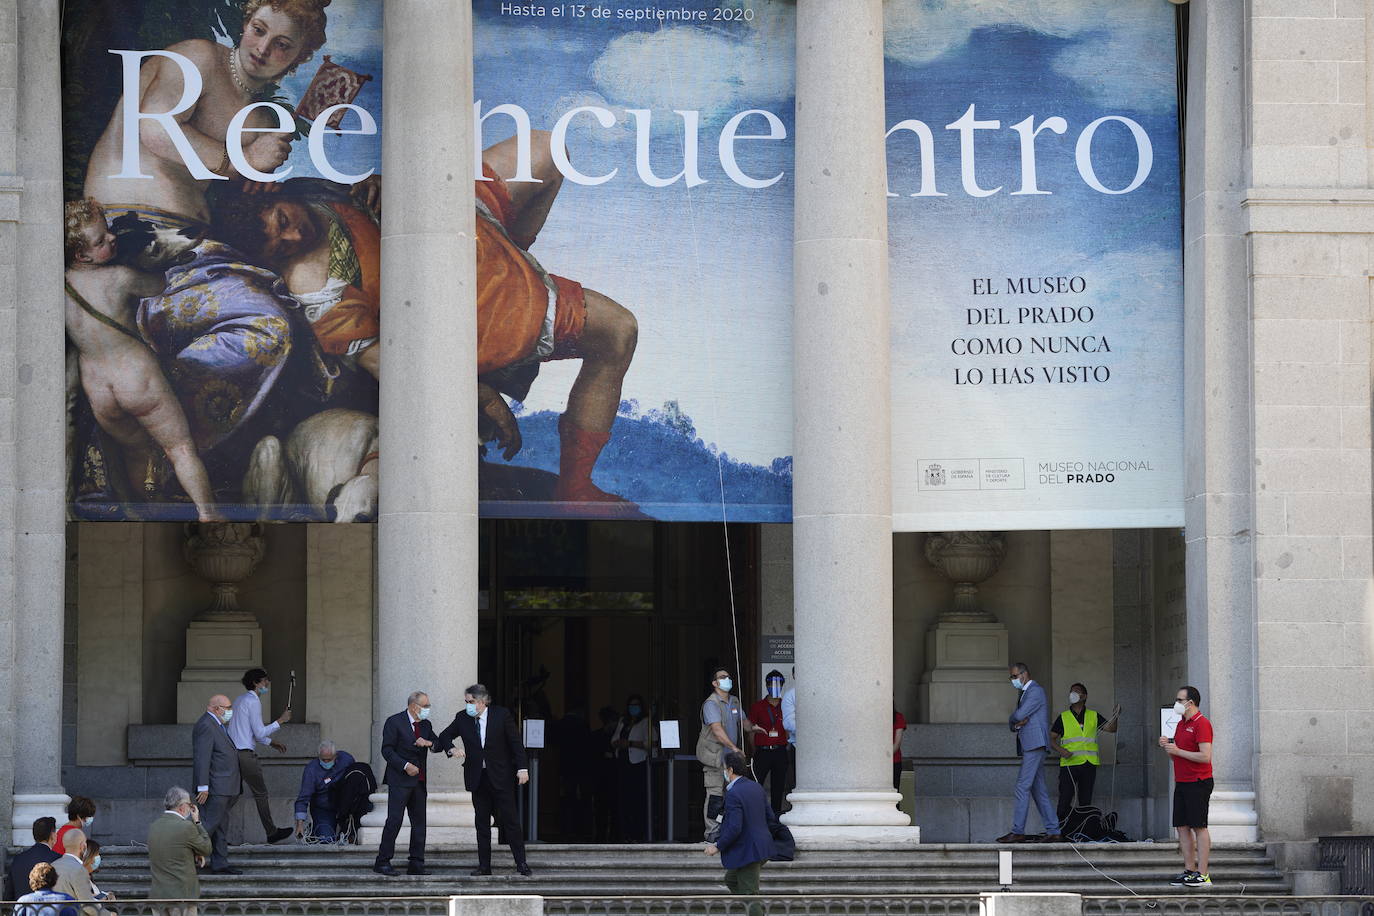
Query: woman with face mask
[(80, 816), (91, 859), (632, 741)]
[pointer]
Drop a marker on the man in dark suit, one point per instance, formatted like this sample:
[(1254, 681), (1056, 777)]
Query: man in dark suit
[(215, 764), (407, 740), (17, 875), (494, 762), (1031, 723), (745, 842)]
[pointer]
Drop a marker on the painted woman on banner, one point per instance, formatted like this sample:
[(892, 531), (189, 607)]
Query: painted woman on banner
[(229, 332)]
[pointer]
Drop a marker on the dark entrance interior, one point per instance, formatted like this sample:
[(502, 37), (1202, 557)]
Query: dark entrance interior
[(576, 616)]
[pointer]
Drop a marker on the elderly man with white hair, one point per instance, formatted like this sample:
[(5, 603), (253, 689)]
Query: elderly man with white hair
[(316, 798)]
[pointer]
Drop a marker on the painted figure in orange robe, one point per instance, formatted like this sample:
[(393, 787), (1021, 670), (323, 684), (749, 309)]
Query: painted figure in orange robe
[(524, 314)]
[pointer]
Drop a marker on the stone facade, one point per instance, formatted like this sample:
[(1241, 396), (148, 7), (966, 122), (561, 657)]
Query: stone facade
[(1273, 624)]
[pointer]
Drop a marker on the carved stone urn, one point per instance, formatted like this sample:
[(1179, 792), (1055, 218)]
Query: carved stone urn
[(966, 647), (224, 554), (967, 558), (223, 640)]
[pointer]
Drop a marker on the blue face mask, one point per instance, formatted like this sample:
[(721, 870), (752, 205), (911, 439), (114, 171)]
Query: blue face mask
[(471, 709), (634, 710), (725, 684), (262, 690), (424, 712), (327, 766), (95, 863), (1018, 683)]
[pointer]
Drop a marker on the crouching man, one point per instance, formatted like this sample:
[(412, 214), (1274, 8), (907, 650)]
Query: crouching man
[(316, 798)]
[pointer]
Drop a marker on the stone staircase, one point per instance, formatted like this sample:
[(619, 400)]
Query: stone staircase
[(663, 869)]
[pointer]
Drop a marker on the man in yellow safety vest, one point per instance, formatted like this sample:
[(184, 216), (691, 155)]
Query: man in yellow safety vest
[(1073, 736)]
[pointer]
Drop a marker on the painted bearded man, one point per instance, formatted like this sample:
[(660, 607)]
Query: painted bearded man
[(327, 254)]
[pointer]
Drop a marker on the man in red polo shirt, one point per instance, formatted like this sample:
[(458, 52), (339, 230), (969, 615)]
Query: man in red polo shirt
[(770, 745), (1191, 748)]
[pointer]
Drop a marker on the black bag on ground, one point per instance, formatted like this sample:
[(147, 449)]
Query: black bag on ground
[(351, 803), (1092, 825), (784, 844)]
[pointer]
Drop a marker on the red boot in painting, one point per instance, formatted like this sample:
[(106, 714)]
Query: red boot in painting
[(579, 449)]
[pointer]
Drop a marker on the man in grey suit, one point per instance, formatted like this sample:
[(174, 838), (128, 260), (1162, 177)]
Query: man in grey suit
[(215, 763), (72, 877), (1031, 723), (176, 841)]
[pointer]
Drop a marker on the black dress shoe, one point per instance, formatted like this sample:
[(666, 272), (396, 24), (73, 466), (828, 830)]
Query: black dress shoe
[(417, 870), (479, 872), (281, 833), (384, 870), (226, 871), (524, 869)]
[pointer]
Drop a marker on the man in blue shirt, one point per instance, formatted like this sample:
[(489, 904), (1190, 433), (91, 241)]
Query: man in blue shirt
[(745, 842), (316, 797), (247, 731)]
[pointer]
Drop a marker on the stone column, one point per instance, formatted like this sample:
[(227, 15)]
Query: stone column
[(842, 497), (1217, 430), (427, 534), (39, 427)]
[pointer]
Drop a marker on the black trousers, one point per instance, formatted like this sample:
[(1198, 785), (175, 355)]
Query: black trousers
[(400, 801), (1083, 776), (489, 799), (774, 761)]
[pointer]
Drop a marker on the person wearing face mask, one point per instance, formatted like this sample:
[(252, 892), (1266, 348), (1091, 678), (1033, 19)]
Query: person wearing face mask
[(176, 844), (72, 876), (92, 862), (248, 732), (493, 764), (631, 743), (723, 727), (407, 741), (1030, 721), (316, 797), (80, 816), (1073, 736), (771, 757), (1191, 748), (215, 766)]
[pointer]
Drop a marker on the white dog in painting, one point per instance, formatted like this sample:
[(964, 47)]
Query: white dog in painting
[(329, 462)]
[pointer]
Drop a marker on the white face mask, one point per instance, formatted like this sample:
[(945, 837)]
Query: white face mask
[(1180, 707), (1074, 697)]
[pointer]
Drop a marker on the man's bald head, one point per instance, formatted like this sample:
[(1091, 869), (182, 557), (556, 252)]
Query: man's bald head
[(218, 707), (74, 841)]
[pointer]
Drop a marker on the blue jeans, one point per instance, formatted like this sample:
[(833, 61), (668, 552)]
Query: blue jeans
[(1030, 781), (323, 823)]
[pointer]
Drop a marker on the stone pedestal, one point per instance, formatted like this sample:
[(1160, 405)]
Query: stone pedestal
[(966, 650), (224, 640), (217, 654), (1232, 817), (966, 673)]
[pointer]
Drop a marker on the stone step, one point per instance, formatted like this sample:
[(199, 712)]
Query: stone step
[(682, 870)]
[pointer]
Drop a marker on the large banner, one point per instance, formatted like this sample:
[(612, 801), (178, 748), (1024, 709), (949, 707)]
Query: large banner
[(1034, 219), (222, 171), (633, 214), (639, 156)]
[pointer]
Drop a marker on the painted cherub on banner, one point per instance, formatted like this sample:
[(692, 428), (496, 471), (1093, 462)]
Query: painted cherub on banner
[(130, 397)]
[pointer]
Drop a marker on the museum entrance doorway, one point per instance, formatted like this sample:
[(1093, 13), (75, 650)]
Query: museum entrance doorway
[(579, 616)]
